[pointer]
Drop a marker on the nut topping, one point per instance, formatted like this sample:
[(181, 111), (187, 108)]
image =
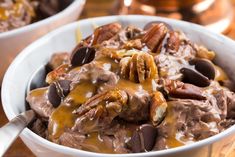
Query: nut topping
[(173, 42), (138, 68), (105, 32), (57, 74), (151, 24), (100, 110), (154, 37), (157, 108), (182, 90)]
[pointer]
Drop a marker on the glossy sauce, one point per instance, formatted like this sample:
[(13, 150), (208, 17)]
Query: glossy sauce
[(108, 64), (81, 93), (63, 118), (95, 143), (175, 138), (148, 85), (220, 75), (60, 120)]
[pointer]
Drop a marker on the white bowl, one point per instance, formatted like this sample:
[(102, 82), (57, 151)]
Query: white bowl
[(64, 39), (12, 42)]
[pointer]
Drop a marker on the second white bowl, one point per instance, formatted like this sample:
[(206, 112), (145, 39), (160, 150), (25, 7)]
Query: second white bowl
[(12, 42)]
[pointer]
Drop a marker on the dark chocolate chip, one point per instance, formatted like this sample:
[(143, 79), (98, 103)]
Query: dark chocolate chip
[(143, 139), (53, 96), (135, 143), (57, 91), (82, 55), (150, 24), (194, 77), (205, 67), (149, 134), (65, 86)]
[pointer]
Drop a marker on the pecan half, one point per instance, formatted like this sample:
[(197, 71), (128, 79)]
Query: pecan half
[(58, 73), (154, 37), (173, 42), (139, 67), (99, 111), (105, 32), (100, 34), (182, 90), (158, 108)]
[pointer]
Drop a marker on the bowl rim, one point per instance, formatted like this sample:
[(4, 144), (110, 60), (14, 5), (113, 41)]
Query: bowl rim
[(27, 133), (42, 22)]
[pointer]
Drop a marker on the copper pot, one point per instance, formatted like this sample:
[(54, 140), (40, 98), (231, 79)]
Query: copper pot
[(217, 15)]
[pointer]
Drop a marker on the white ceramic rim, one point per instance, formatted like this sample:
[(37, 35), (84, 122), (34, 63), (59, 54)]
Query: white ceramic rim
[(43, 22), (27, 133)]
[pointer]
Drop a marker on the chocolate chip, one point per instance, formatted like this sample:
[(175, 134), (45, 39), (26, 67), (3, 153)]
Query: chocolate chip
[(194, 77), (143, 139), (53, 95), (135, 143), (205, 67), (65, 86), (82, 55), (150, 24), (149, 133), (57, 91)]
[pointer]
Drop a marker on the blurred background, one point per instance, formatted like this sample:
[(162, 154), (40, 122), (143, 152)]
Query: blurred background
[(217, 15)]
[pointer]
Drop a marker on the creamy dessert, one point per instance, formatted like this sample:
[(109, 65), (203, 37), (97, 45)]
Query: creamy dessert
[(130, 90), (19, 13)]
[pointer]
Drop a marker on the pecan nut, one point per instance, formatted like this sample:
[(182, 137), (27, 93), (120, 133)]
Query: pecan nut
[(105, 32), (173, 42), (58, 73), (182, 90), (139, 67), (158, 108), (100, 34), (154, 37), (99, 111)]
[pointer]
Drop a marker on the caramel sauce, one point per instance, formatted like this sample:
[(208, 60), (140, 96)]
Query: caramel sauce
[(220, 75), (3, 14), (61, 119), (108, 64), (172, 142), (148, 85), (81, 93), (175, 138), (39, 93), (78, 35), (96, 144)]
